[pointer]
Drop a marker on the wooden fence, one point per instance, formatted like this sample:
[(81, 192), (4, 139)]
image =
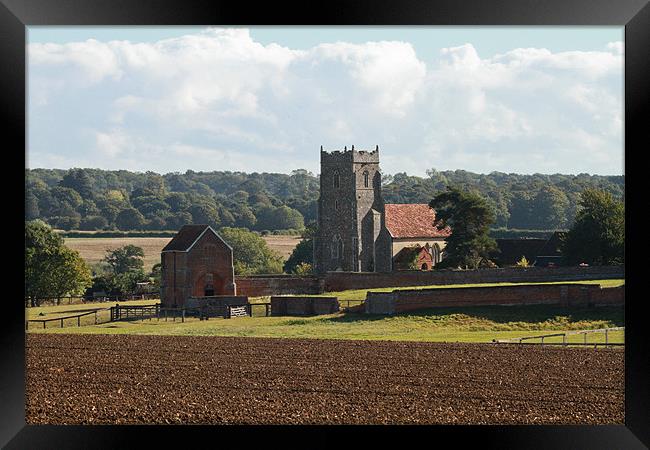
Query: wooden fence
[(72, 299), (564, 335), (131, 312), (61, 319)]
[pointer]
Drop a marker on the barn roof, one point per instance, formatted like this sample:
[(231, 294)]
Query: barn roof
[(187, 236), (412, 221), (512, 249)]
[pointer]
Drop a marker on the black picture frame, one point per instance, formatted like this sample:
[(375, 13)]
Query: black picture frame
[(15, 15)]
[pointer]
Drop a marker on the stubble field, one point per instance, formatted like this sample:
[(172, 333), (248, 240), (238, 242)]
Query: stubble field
[(102, 379), (93, 250)]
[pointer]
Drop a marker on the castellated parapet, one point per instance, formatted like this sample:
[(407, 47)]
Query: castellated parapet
[(350, 156)]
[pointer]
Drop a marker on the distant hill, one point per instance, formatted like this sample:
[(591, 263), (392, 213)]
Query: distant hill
[(95, 199)]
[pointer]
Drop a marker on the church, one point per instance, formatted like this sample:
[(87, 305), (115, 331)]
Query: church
[(358, 232)]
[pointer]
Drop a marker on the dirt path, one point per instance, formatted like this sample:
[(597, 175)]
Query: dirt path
[(102, 379)]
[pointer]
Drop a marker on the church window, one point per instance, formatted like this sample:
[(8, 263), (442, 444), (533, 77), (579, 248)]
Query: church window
[(336, 204), (366, 179), (337, 247), (337, 179)]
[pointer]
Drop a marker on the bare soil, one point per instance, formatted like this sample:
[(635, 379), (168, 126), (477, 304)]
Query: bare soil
[(116, 379)]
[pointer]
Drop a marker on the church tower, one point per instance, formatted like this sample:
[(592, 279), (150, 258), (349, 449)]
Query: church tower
[(350, 212)]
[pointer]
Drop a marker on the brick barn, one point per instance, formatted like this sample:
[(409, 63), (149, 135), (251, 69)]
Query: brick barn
[(197, 262)]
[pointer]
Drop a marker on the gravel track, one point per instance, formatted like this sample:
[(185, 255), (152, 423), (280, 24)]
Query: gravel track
[(116, 379)]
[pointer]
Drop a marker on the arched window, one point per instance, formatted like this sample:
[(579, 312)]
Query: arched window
[(366, 179), (337, 179), (336, 204), (337, 247), (437, 254)]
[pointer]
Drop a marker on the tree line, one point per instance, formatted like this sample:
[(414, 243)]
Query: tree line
[(95, 199)]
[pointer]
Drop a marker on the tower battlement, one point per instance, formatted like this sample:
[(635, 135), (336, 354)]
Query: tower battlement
[(351, 155)]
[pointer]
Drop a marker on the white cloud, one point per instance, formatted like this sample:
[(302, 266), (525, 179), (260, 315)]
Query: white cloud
[(219, 100)]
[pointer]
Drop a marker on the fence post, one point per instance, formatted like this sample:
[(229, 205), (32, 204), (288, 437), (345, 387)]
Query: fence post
[(606, 339), (78, 321), (95, 317), (564, 339), (542, 340), (183, 315), (43, 324), (61, 322)]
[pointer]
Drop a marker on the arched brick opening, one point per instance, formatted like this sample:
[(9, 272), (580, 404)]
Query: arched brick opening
[(207, 284)]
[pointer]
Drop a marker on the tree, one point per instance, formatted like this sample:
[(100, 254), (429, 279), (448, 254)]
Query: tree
[(125, 259), (597, 236), (91, 223), (251, 254), (550, 208), (51, 268), (130, 219), (126, 268), (303, 253), (469, 217), (80, 181)]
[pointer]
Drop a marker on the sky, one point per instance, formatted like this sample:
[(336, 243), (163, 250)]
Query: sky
[(264, 99)]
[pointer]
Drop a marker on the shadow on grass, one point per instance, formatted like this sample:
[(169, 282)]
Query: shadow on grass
[(503, 314)]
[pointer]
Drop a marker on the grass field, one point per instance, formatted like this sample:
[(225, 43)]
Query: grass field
[(463, 324), (93, 250)]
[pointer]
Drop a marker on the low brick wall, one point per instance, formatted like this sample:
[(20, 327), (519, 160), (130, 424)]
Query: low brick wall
[(303, 306), (397, 301), (217, 300), (215, 305), (263, 285), (341, 281), (266, 285)]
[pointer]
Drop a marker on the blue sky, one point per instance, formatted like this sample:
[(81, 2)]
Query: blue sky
[(169, 99)]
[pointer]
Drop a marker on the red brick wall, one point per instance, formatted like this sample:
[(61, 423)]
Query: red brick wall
[(303, 306), (263, 285), (341, 281), (555, 294), (266, 285)]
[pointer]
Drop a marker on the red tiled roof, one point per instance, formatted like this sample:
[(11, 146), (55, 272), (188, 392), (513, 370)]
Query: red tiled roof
[(412, 221)]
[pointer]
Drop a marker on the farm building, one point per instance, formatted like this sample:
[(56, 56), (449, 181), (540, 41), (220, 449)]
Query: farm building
[(538, 252), (197, 262)]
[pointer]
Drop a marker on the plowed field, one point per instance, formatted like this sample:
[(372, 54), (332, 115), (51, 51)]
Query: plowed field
[(114, 379)]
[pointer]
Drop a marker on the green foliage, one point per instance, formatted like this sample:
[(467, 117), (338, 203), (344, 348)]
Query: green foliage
[(598, 234), (125, 269), (156, 274), (130, 219), (51, 268), (469, 217), (303, 253), (93, 223), (125, 259), (413, 263), (255, 201), (523, 262), (304, 269), (251, 254)]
